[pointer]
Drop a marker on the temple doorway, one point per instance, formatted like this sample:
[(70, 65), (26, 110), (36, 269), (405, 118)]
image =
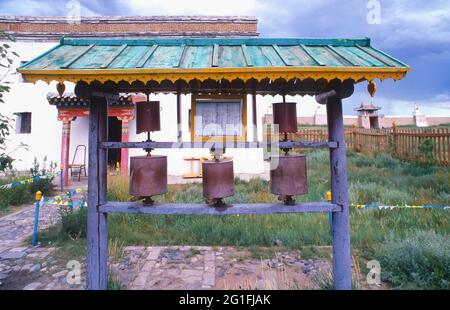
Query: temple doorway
[(115, 135)]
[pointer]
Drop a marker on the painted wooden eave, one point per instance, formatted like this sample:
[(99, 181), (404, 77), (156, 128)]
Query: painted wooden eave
[(189, 58)]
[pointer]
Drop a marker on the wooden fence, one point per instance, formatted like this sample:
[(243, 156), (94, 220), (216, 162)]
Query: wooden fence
[(403, 143)]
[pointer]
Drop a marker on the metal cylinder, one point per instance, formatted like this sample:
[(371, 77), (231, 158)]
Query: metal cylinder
[(218, 179), (148, 175), (288, 178), (285, 116), (147, 116)]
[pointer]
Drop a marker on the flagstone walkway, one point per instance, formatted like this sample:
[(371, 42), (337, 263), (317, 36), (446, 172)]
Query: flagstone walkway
[(21, 263), (205, 267)]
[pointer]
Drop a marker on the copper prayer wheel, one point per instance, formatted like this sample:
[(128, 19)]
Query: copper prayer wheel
[(289, 176), (218, 179), (285, 116), (148, 175), (147, 116)]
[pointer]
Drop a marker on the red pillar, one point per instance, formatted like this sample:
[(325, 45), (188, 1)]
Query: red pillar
[(124, 151), (65, 150)]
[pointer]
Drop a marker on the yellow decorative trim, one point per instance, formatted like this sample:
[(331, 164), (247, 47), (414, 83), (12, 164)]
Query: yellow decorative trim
[(173, 74), (242, 138)]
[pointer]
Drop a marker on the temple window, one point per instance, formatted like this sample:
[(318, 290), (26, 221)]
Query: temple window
[(218, 117), (23, 122)]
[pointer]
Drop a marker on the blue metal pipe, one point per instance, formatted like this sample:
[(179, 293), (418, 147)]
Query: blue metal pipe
[(36, 223)]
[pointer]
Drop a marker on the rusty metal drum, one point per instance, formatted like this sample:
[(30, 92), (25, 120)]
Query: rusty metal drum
[(289, 176), (147, 116), (218, 179), (285, 115), (148, 175)]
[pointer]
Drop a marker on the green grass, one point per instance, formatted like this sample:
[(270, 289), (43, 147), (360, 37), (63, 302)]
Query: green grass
[(373, 179), (418, 261)]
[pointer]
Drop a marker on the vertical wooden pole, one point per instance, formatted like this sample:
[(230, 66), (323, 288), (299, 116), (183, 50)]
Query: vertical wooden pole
[(65, 150), (124, 151), (96, 222), (254, 116), (102, 181), (341, 228), (179, 127)]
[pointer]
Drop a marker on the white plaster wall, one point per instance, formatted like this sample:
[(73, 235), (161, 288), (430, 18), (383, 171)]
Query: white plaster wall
[(45, 136)]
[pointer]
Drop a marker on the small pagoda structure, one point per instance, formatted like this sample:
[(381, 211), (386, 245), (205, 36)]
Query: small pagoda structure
[(368, 116)]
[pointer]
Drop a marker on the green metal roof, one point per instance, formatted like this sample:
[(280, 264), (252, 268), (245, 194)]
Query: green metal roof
[(100, 56)]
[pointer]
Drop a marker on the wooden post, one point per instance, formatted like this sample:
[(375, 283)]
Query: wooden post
[(65, 149), (179, 128), (96, 222), (254, 116), (124, 151), (341, 228)]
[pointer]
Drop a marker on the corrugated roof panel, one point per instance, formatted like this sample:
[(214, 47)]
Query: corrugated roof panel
[(197, 57), (296, 56), (372, 60), (56, 58), (165, 56), (374, 53), (352, 57), (231, 56), (272, 56), (94, 58), (129, 57), (324, 56), (257, 58)]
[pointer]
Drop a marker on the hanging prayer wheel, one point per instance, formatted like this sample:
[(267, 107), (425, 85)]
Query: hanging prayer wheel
[(218, 179), (285, 116), (288, 176), (148, 176), (147, 116)]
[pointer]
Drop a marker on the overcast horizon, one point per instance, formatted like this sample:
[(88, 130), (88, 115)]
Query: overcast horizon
[(416, 32)]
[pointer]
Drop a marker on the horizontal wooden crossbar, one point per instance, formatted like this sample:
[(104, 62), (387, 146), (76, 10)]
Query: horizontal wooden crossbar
[(204, 209), (187, 145)]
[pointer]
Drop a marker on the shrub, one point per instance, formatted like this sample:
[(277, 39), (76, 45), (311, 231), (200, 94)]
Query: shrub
[(74, 222), (15, 196), (418, 261)]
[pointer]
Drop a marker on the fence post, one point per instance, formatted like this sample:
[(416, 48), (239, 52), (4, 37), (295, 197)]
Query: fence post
[(36, 217), (394, 137)]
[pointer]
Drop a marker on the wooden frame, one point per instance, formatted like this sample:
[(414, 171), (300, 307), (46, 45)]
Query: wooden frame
[(99, 207), (241, 138)]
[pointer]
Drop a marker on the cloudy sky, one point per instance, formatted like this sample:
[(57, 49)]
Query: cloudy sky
[(415, 31)]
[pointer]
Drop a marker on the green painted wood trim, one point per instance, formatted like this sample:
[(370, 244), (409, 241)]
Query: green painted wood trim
[(113, 57), (28, 63), (277, 49), (248, 61), (146, 56), (71, 61), (303, 47), (183, 52), (393, 62), (219, 41), (339, 54), (215, 56)]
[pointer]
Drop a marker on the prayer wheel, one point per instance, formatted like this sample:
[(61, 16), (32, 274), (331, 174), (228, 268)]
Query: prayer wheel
[(288, 176), (148, 176), (147, 116), (285, 116), (218, 179)]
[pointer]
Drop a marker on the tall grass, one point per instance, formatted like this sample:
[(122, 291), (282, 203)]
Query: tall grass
[(419, 260)]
